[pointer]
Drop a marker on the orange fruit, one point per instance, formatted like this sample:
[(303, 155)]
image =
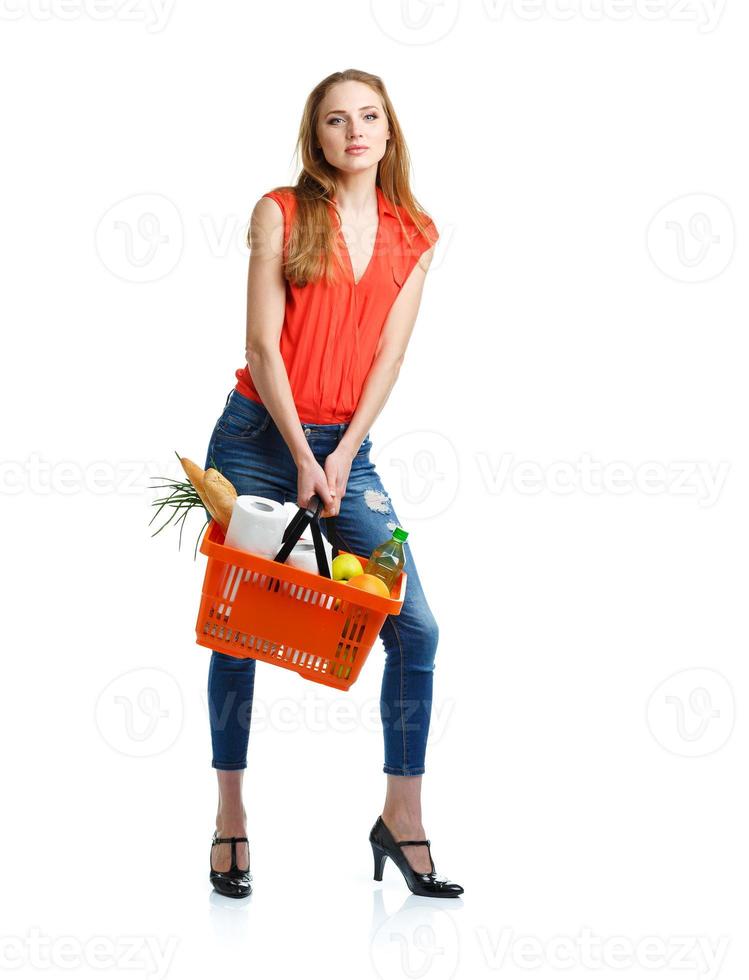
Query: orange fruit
[(370, 583)]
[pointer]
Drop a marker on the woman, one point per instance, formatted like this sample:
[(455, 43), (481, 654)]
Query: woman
[(336, 273)]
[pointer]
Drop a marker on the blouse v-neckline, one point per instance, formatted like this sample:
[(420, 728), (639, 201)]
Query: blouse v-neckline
[(358, 282)]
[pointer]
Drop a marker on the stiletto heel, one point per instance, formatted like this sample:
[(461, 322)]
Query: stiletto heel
[(379, 860), (234, 882), (421, 883)]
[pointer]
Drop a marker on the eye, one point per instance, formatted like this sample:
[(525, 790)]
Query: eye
[(368, 115)]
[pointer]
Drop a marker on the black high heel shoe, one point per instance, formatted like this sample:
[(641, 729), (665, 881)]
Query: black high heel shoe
[(420, 882), (234, 882)]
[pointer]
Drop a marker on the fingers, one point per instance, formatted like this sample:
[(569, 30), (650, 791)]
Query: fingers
[(333, 505)]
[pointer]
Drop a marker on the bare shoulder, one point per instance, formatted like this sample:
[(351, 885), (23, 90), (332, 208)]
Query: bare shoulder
[(268, 211), (267, 227), (425, 259)]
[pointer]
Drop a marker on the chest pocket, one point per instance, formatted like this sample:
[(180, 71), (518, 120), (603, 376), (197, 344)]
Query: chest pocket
[(399, 275)]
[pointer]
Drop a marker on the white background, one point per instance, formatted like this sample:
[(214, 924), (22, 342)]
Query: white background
[(585, 316)]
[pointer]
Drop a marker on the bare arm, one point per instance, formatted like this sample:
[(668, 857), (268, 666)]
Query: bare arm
[(389, 356), (266, 300)]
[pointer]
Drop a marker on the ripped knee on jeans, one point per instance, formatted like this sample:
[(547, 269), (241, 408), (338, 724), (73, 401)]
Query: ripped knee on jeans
[(377, 500)]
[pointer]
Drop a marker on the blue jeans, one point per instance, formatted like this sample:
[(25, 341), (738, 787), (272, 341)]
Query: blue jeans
[(247, 447)]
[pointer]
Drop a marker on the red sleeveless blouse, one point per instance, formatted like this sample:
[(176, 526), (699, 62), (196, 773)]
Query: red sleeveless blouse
[(330, 332)]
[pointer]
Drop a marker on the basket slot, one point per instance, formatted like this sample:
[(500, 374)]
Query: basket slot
[(237, 580), (271, 650), (305, 594), (356, 622), (342, 652), (231, 572)]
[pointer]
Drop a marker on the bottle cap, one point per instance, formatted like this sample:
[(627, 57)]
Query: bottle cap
[(399, 534)]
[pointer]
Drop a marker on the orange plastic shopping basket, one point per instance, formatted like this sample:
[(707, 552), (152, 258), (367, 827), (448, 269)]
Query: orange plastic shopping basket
[(262, 608)]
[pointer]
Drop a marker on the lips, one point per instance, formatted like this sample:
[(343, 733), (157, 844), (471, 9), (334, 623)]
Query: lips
[(356, 149)]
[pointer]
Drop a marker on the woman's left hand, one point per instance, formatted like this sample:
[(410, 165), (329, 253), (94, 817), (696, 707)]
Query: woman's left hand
[(337, 468)]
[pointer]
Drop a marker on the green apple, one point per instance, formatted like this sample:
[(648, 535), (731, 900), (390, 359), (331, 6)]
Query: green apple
[(345, 566)]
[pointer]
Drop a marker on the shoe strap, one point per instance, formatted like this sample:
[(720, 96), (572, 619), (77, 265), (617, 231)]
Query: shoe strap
[(402, 843), (234, 869)]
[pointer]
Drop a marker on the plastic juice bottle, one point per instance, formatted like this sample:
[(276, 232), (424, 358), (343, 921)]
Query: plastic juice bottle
[(387, 560)]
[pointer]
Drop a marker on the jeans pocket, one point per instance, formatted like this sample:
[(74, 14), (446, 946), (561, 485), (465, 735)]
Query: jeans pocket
[(242, 418)]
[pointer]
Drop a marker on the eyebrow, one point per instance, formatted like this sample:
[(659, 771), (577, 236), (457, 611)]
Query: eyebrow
[(342, 112)]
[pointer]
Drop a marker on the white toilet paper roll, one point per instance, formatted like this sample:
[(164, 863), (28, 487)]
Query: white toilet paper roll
[(257, 525), (303, 555)]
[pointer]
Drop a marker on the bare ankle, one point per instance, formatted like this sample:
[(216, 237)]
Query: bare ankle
[(231, 822), (402, 819)]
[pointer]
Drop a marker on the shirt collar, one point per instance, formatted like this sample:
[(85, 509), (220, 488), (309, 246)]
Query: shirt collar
[(387, 207)]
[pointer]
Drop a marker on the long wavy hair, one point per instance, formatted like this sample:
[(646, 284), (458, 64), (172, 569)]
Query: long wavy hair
[(311, 251)]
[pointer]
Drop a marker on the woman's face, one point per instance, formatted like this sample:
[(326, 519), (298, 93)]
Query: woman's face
[(351, 114)]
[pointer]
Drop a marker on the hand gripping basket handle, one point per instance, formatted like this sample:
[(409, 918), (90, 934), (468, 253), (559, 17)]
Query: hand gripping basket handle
[(303, 517)]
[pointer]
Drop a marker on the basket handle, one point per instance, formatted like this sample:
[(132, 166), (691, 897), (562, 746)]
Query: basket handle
[(304, 516)]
